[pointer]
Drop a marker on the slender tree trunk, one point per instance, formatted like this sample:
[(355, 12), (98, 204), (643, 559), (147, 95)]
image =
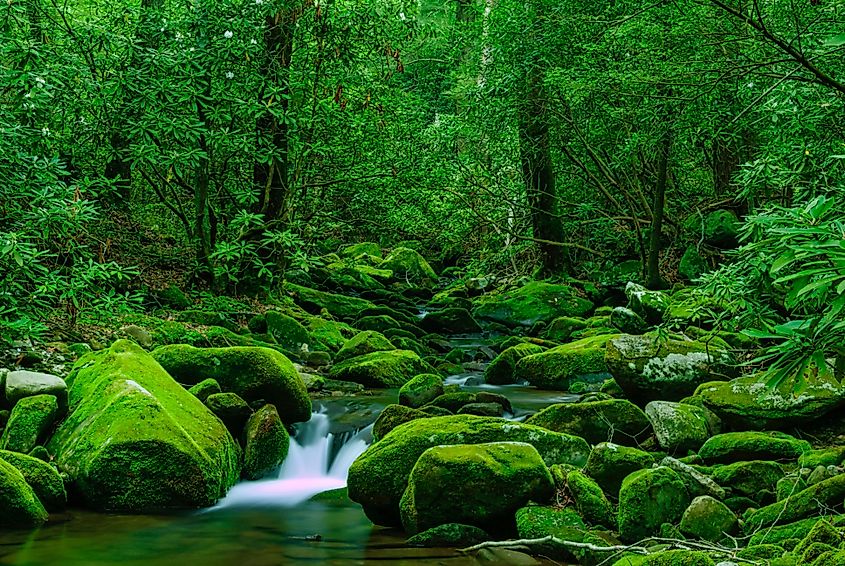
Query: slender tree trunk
[(539, 175), (272, 179), (653, 279)]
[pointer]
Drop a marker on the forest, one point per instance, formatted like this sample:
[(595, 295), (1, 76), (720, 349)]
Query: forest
[(437, 282)]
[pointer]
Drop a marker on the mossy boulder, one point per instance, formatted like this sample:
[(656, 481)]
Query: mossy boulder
[(539, 521), (231, 409), (708, 519), (502, 370), (532, 303), (254, 374), (378, 478), (449, 535), (329, 334), (455, 484), (609, 464), (451, 320), (377, 323), (823, 532), (814, 500), (315, 301), (562, 328), (393, 416), (482, 409), (205, 388), (421, 390), (651, 368), (749, 403), (590, 500), (649, 498), (29, 423), (19, 506), (679, 428), (650, 305), (614, 420), (408, 266), (750, 479), (721, 229), (627, 321), (287, 331), (43, 478), (363, 343), (560, 367), (23, 383), (392, 368), (266, 443), (135, 440), (369, 248), (739, 446), (669, 558), (457, 400), (692, 264)]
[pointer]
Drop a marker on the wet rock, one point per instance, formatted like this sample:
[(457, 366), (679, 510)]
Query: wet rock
[(41, 477), (363, 343), (19, 506), (740, 446), (421, 390), (560, 367), (649, 498), (609, 464), (266, 443), (614, 420), (679, 428), (393, 368), (449, 535), (708, 519), (29, 423)]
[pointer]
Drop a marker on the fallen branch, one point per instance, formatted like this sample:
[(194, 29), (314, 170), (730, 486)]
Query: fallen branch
[(529, 542)]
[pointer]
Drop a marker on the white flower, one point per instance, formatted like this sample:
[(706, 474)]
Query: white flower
[(40, 81), (402, 16), (228, 34), (45, 132), (749, 85), (230, 75), (179, 36), (259, 2), (192, 49), (253, 42), (161, 30)]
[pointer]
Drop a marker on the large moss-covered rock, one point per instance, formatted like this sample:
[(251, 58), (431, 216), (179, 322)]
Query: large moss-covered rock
[(816, 499), (749, 403), (365, 342), (749, 479), (455, 401), (266, 443), (43, 478), (252, 373), (29, 422), (679, 427), (378, 478), (393, 368), (409, 266), (19, 506), (532, 303), (362, 248), (649, 498), (562, 328), (502, 370), (393, 416), (329, 334), (708, 519), (590, 500), (135, 440), (560, 367), (338, 305), (23, 383), (609, 464), (650, 305), (650, 368), (614, 420), (476, 484), (721, 229), (692, 264), (738, 446), (421, 390), (539, 521), (231, 409), (450, 320), (287, 331)]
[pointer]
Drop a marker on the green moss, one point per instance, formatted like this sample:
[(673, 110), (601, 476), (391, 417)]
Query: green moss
[(741, 446), (392, 368), (613, 419), (338, 305), (393, 416), (421, 390), (455, 483), (692, 265), (408, 265), (365, 342), (562, 328), (205, 388), (796, 530), (816, 498), (378, 323), (449, 535), (135, 440), (609, 464), (649, 498), (677, 558), (823, 532), (287, 331), (19, 506), (266, 443), (590, 501), (328, 334), (749, 478), (355, 250), (231, 409), (252, 373), (43, 478), (538, 521), (559, 367), (679, 427), (824, 457), (378, 478), (534, 302), (451, 320), (708, 519), (761, 552), (29, 422)]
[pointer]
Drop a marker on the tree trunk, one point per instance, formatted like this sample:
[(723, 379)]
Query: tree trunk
[(653, 279), (539, 175), (271, 179)]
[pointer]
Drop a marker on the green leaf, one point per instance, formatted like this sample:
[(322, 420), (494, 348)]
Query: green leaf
[(835, 41)]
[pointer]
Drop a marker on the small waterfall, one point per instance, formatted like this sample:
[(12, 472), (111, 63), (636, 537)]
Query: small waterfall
[(311, 467)]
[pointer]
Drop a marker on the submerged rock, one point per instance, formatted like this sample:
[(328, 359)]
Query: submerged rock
[(393, 368), (455, 483), (378, 478), (136, 441), (649, 368), (252, 373)]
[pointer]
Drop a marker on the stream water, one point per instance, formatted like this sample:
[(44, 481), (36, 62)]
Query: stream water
[(275, 521)]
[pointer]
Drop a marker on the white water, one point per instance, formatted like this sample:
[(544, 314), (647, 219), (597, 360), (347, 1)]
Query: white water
[(307, 470)]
